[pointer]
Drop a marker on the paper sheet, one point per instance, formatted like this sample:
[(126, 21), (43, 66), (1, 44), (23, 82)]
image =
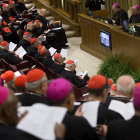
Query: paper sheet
[(126, 110), (41, 119), (64, 53), (90, 112), (20, 52), (17, 73), (47, 31), (31, 8), (57, 28), (83, 74), (12, 46), (52, 51)]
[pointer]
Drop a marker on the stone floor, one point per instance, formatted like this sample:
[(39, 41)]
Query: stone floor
[(86, 61)]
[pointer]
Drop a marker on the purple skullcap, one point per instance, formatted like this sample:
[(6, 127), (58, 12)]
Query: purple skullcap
[(116, 5), (4, 92), (137, 6), (58, 89), (136, 99)]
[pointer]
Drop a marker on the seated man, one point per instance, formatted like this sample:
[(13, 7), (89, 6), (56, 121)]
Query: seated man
[(99, 86), (128, 130), (19, 84), (135, 17), (12, 11), (60, 93), (68, 73), (38, 30), (30, 28), (25, 42), (6, 13), (9, 118), (9, 78), (119, 14), (36, 86), (11, 58), (32, 50), (42, 18), (124, 87), (58, 65)]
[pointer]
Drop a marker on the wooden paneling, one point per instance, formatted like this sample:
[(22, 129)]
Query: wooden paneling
[(125, 45), (90, 30)]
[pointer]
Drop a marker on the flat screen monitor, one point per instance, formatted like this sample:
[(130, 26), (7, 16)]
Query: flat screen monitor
[(105, 39)]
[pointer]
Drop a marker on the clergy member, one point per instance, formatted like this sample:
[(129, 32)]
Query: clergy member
[(60, 93), (119, 14), (135, 17), (36, 86)]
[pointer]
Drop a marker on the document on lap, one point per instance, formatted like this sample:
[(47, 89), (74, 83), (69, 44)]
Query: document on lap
[(12, 46), (64, 53), (20, 52), (43, 124)]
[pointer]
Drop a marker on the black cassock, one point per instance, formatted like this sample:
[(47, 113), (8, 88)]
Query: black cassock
[(20, 7), (74, 79), (11, 133), (6, 16), (9, 57), (57, 68), (78, 129), (31, 51), (120, 16), (24, 43), (135, 18), (30, 98), (124, 130), (48, 62), (13, 12)]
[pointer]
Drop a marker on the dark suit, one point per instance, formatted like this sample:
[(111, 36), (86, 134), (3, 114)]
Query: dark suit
[(9, 57), (48, 62), (29, 98), (124, 130)]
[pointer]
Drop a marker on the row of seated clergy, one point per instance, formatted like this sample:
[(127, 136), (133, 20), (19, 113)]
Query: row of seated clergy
[(37, 95), (65, 70), (120, 15), (8, 56)]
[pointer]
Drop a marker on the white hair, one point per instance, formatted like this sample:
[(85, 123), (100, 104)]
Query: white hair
[(125, 84), (36, 84)]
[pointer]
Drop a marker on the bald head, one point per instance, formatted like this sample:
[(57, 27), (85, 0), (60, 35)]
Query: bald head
[(43, 12), (125, 85)]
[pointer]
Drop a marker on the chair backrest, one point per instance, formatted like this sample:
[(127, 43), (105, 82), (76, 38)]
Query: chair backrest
[(7, 66), (30, 59), (20, 34), (22, 65)]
